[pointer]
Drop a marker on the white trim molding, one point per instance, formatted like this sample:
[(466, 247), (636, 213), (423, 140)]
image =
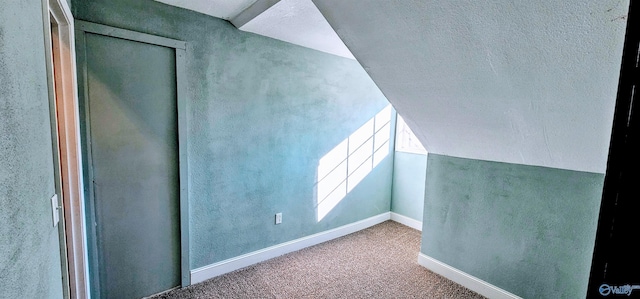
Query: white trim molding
[(410, 222), (473, 283), (203, 273)]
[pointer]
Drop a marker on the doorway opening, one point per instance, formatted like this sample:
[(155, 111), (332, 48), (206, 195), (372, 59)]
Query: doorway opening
[(65, 130)]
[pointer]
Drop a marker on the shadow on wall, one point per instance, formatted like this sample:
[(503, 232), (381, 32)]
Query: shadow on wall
[(347, 164)]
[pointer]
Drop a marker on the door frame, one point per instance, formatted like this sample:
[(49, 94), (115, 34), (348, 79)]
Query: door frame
[(180, 47), (618, 205), (62, 85)]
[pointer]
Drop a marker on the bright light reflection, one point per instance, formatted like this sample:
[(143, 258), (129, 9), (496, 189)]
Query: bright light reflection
[(347, 164)]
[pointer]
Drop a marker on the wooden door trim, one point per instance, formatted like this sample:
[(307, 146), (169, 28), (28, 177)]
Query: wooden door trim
[(63, 93)]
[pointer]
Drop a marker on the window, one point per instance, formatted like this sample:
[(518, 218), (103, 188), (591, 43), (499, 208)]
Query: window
[(406, 141)]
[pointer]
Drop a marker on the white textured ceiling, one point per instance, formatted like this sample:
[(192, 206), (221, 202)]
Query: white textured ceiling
[(223, 9), (295, 21), (526, 82), (298, 22)]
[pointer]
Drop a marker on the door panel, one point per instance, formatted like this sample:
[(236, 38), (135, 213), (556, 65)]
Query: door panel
[(134, 152)]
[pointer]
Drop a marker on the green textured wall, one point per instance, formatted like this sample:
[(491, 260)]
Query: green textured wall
[(526, 229), (261, 113), (407, 196), (29, 251)]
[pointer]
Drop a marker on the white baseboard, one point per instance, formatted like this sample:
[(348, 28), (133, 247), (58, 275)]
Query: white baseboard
[(412, 223), (203, 273), (473, 283)]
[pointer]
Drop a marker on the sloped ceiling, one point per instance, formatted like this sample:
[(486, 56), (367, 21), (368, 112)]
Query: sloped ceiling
[(526, 82), (294, 21), (223, 9), (298, 22)]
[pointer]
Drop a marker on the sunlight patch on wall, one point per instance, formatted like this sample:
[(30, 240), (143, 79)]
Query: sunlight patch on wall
[(347, 164)]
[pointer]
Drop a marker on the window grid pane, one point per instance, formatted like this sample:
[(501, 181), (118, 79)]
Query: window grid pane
[(406, 140)]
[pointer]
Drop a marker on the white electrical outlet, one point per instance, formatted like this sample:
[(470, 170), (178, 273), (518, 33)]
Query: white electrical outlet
[(278, 218)]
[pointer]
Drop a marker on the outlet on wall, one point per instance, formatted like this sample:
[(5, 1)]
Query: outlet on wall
[(278, 218)]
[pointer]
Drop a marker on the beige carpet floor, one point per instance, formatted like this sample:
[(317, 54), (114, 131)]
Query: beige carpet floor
[(378, 262)]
